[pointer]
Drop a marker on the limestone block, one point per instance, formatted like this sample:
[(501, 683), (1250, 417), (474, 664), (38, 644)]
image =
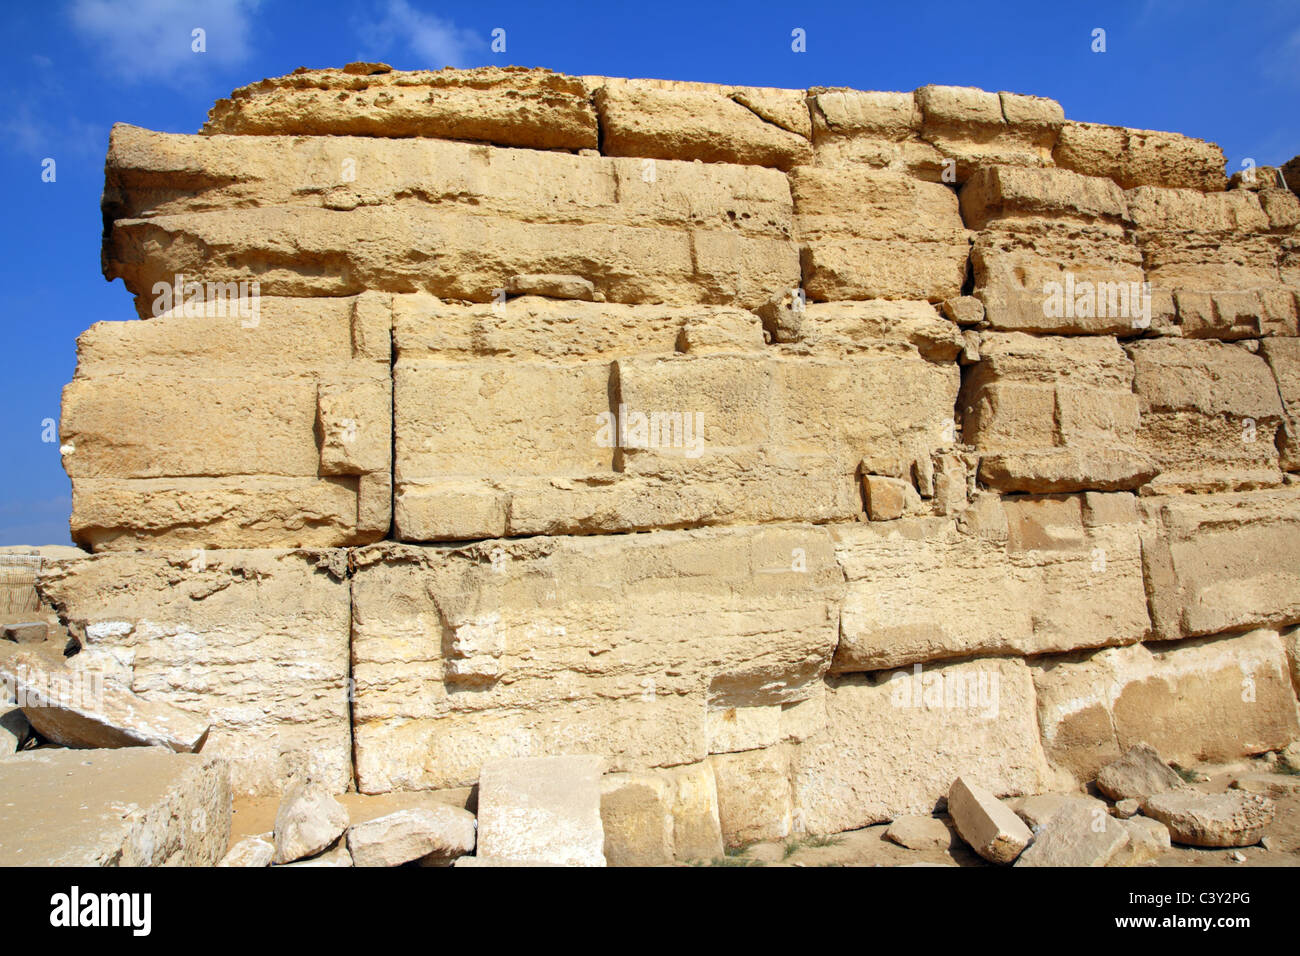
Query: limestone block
[(1234, 818), (976, 128), (871, 128), (755, 800), (255, 641), (877, 234), (1210, 412), (638, 119), (1216, 563), (894, 742), (572, 417), (1053, 414), (1136, 157), (542, 809), (222, 431), (636, 814), (569, 650), (697, 834), (1283, 357), (924, 589), (1212, 699), (510, 106), (1077, 835), (140, 806), (340, 215), (990, 828)]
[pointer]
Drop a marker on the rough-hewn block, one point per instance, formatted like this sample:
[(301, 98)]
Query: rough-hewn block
[(1216, 563), (253, 642), (510, 107), (1055, 576), (894, 742), (877, 234), (1283, 357), (270, 430), (1138, 157), (1214, 699), (1210, 414), (455, 219), (613, 645)]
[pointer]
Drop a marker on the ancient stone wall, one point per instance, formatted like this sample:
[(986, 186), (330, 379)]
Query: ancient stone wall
[(794, 451)]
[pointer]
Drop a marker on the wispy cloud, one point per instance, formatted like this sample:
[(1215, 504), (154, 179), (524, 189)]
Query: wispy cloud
[(433, 41), (141, 40)]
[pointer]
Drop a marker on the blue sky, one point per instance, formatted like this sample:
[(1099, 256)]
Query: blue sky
[(1222, 72)]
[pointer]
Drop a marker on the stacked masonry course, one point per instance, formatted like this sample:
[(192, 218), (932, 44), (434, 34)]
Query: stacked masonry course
[(385, 531)]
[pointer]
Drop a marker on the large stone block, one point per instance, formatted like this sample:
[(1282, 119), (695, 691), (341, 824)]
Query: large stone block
[(1037, 576), (253, 642), (612, 645), (1054, 254), (576, 417), (663, 120), (1139, 157), (140, 806), (339, 215), (1053, 414), (1211, 699), (1210, 415), (202, 430), (894, 742), (877, 234), (541, 810), (1217, 563), (1283, 357), (513, 106)]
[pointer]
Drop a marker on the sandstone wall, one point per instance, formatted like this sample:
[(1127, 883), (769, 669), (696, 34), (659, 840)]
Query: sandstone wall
[(796, 451)]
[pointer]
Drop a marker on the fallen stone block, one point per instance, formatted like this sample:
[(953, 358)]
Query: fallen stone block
[(1077, 835), (308, 821), (1233, 818), (254, 851), (920, 833), (142, 806), (989, 827), (26, 632), (337, 857), (78, 708), (409, 835), (542, 809), (1148, 839), (1038, 808), (1138, 774)]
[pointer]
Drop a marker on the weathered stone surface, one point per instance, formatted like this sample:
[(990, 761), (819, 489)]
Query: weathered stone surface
[(877, 234), (1138, 157), (1038, 808), (755, 800), (636, 814), (989, 827), (1053, 414), (337, 857), (407, 835), (920, 833), (1209, 415), (76, 708), (1269, 784), (543, 809), (872, 128), (721, 125), (893, 744), (1232, 818), (1138, 774), (550, 646), (1077, 835), (142, 806), (14, 727), (308, 821), (453, 219), (697, 834), (975, 128), (1283, 358), (1127, 808), (257, 642), (1038, 576), (26, 632), (254, 851), (282, 437), (595, 421), (510, 106), (1203, 561), (1148, 839), (1216, 255), (1213, 699)]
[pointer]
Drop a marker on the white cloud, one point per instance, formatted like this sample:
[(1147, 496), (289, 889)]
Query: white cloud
[(433, 41), (152, 39)]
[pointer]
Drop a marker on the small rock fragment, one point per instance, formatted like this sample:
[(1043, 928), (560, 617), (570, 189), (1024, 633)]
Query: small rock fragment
[(1138, 774), (250, 851), (920, 833), (309, 820)]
